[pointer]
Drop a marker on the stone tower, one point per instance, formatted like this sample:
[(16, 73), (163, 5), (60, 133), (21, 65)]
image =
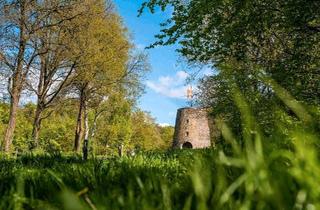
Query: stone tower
[(192, 129)]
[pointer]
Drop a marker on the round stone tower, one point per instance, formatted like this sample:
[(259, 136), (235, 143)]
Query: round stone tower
[(192, 129)]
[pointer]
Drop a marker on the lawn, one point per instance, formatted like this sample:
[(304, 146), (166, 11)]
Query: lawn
[(182, 179)]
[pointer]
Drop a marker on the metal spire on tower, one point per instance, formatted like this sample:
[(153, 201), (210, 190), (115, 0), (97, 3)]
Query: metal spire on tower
[(190, 94)]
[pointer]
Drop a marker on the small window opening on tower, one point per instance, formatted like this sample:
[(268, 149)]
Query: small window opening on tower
[(187, 133), (187, 120)]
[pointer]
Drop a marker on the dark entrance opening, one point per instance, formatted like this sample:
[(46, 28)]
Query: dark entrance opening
[(187, 145)]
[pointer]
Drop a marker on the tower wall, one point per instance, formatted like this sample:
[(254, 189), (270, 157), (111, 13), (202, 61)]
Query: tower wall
[(192, 127)]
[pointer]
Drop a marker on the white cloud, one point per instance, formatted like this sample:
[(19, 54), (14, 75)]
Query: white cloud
[(164, 124), (170, 86)]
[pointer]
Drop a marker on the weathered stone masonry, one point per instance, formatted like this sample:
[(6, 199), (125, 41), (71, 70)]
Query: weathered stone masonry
[(192, 129)]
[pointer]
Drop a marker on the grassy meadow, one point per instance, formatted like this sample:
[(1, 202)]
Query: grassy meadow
[(248, 171), (183, 179), (74, 136)]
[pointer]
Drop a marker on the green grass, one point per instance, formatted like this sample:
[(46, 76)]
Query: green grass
[(190, 179), (252, 171), (54, 182)]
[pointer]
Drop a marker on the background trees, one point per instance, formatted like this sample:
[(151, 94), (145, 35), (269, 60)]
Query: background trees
[(25, 43), (76, 62), (119, 126), (243, 40), (269, 158), (105, 49), (281, 37)]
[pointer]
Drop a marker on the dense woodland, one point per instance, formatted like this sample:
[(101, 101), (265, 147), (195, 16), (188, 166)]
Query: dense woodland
[(70, 74), (70, 85)]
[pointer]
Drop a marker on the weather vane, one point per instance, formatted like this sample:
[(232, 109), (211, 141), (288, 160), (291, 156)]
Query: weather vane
[(190, 95)]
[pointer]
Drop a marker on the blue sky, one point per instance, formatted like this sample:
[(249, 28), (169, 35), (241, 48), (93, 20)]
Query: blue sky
[(165, 84)]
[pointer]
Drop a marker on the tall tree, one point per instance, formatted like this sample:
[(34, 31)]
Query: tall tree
[(21, 20), (58, 60), (104, 49), (15, 55), (129, 84)]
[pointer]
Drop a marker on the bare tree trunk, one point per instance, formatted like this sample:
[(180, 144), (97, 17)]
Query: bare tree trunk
[(86, 131), (36, 128), (120, 150), (39, 109), (79, 130), (17, 83), (12, 122), (94, 127)]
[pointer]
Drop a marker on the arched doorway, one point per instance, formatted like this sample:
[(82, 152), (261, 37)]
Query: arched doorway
[(186, 145)]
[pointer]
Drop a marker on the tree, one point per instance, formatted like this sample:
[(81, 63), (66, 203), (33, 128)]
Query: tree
[(104, 49), (21, 20), (166, 134), (145, 135), (245, 41), (114, 128), (280, 37), (52, 75)]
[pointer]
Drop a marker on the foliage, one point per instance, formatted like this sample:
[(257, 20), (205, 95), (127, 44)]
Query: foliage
[(57, 51), (264, 98), (166, 133), (248, 171), (251, 177), (145, 134), (279, 37), (118, 124), (117, 131), (245, 41), (134, 130)]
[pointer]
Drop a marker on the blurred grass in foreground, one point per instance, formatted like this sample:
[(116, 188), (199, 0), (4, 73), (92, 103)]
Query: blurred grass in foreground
[(245, 172)]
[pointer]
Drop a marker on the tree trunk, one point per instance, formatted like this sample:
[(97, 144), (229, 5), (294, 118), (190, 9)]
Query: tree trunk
[(94, 126), (79, 130), (120, 150), (17, 83), (40, 107), (36, 128), (86, 131), (12, 122)]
